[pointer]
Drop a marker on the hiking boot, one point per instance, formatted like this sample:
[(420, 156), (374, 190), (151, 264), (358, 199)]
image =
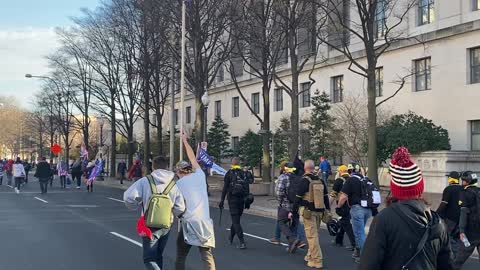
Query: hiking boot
[(292, 247), (274, 241)]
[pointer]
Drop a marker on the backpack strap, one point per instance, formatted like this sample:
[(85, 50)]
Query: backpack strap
[(169, 187), (153, 187)]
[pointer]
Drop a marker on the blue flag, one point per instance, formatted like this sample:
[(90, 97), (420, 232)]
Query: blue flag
[(205, 158)]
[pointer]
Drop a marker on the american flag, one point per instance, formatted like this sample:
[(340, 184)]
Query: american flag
[(83, 151), (95, 172)]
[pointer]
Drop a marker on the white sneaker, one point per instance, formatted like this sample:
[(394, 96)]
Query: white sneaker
[(17, 191), (78, 187)]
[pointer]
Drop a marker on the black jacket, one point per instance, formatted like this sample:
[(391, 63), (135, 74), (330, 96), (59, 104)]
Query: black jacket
[(236, 204), (393, 239), (43, 170)]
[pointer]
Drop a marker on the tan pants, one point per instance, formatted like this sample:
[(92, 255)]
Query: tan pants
[(182, 252), (314, 256)]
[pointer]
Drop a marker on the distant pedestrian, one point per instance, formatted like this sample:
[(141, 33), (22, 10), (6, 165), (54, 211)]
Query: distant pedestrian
[(2, 169), (406, 234), (139, 194), (27, 167), (344, 211), (196, 226), (325, 170), (315, 209), (53, 167), (449, 209), (88, 174), (135, 172), (121, 170), (8, 171), (469, 224), (18, 172), (77, 171), (235, 188), (43, 173), (62, 169)]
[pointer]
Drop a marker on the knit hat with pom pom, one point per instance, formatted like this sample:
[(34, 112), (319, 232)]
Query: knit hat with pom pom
[(407, 180)]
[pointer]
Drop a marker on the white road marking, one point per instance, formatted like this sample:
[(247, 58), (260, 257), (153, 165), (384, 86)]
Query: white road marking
[(113, 199), (9, 186), (81, 206), (126, 238), (40, 199), (260, 238)]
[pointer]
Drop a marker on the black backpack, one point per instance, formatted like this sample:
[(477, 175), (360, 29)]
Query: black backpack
[(370, 192), (294, 181), (238, 183)]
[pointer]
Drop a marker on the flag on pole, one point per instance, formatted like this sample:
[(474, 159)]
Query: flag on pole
[(83, 151), (208, 162), (95, 172)]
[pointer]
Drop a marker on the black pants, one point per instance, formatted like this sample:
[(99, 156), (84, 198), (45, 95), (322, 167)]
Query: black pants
[(464, 253), (122, 177), (18, 182), (236, 228), (345, 227), (78, 177), (43, 185), (1, 180), (51, 180), (26, 177), (63, 180), (90, 187)]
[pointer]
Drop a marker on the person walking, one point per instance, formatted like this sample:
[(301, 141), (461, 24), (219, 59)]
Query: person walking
[(235, 188), (344, 211), (406, 234), (43, 173), (351, 194), (121, 170), (62, 169), (77, 172), (196, 226), (135, 172), (2, 169), (449, 209), (54, 172), (88, 174), (18, 172), (314, 209), (469, 223), (139, 194), (27, 167), (8, 171), (325, 169)]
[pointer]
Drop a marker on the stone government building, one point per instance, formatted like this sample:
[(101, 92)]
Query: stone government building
[(445, 86)]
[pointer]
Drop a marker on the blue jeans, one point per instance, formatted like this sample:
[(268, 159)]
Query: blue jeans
[(300, 232), (153, 250), (360, 216)]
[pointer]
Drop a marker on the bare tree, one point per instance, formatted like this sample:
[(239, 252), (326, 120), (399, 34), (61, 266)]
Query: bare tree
[(376, 25)]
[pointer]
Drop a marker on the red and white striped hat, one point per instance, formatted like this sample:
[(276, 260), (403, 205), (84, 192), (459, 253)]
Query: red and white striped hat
[(407, 179)]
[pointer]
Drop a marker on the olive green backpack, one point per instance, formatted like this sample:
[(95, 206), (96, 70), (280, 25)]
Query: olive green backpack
[(159, 212)]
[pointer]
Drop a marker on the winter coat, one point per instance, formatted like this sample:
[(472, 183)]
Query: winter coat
[(43, 170), (236, 204), (393, 239)]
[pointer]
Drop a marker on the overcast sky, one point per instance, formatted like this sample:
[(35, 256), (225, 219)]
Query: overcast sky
[(27, 35)]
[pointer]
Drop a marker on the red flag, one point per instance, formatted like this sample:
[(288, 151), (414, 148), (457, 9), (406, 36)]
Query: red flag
[(142, 228)]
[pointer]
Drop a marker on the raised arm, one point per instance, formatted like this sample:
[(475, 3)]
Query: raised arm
[(190, 154)]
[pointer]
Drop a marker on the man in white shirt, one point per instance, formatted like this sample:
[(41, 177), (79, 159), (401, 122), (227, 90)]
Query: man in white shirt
[(196, 224), (139, 193)]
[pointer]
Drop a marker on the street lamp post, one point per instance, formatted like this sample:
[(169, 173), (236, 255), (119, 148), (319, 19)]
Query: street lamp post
[(205, 101)]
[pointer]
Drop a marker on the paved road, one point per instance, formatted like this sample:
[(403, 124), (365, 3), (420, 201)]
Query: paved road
[(73, 229)]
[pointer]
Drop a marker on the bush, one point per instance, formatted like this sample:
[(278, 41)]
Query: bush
[(415, 132)]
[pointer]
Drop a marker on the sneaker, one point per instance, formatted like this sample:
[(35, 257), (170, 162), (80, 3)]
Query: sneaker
[(17, 191), (316, 266), (242, 246), (301, 244), (78, 187), (356, 253), (274, 241), (357, 260), (350, 248)]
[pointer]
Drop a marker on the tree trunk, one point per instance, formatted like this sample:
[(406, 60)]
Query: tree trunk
[(113, 148), (199, 119), (159, 134), (266, 163), (146, 101), (130, 148), (294, 116), (372, 126)]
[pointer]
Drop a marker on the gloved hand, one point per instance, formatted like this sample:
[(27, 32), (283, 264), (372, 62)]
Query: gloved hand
[(220, 205)]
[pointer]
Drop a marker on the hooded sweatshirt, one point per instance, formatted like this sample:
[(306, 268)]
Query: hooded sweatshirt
[(393, 239), (18, 170), (141, 189)]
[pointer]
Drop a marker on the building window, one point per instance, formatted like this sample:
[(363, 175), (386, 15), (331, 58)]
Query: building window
[(256, 103), (475, 135), (379, 82), (304, 95), (188, 117), (475, 65), (337, 88), (235, 107), (220, 73), (426, 12), (423, 74), (476, 5), (338, 35), (218, 108), (175, 117), (278, 96), (235, 143), (380, 19)]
